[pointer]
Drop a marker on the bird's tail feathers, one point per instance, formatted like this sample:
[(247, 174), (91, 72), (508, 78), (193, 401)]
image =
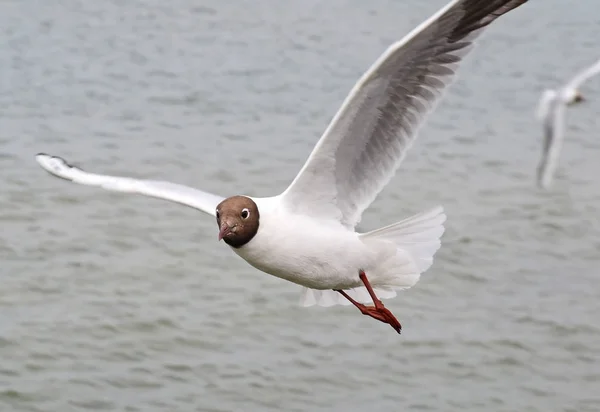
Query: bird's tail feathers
[(417, 236)]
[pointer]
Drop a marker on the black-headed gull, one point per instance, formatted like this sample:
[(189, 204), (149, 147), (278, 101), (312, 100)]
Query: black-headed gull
[(307, 235), (551, 112)]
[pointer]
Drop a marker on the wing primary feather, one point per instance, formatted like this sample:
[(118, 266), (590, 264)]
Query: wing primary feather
[(370, 134), (187, 196)]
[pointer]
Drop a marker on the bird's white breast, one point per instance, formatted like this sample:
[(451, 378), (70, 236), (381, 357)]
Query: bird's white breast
[(312, 253)]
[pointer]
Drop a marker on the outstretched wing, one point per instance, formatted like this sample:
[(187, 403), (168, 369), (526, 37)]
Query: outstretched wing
[(547, 99), (203, 201), (369, 136), (583, 75), (553, 124)]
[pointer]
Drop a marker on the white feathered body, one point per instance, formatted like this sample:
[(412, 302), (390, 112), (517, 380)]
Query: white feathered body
[(319, 254), (325, 255)]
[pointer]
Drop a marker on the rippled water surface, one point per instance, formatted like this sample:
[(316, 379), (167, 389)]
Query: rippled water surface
[(121, 303)]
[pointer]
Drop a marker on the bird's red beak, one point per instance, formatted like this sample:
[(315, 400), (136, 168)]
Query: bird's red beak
[(224, 231)]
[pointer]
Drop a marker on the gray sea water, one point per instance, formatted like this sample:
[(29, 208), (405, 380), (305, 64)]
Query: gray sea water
[(112, 302)]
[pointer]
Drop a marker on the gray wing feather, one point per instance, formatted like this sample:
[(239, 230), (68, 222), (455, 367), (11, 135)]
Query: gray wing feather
[(369, 136)]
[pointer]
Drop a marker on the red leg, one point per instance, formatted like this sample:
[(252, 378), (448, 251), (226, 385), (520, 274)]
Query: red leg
[(365, 281), (365, 310), (378, 311)]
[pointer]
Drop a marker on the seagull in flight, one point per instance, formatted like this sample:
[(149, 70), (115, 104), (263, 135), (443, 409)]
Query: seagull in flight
[(307, 234), (551, 112)]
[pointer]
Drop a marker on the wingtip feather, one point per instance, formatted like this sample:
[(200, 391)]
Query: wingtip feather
[(56, 166)]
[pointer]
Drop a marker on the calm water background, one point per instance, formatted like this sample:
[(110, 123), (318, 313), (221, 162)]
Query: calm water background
[(122, 303)]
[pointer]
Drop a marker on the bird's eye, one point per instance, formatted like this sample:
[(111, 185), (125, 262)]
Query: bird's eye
[(245, 213), (218, 215)]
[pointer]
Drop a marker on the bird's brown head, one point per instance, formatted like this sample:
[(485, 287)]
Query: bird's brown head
[(238, 219)]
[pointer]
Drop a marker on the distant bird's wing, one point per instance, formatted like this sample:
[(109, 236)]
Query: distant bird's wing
[(553, 126), (544, 104), (583, 75)]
